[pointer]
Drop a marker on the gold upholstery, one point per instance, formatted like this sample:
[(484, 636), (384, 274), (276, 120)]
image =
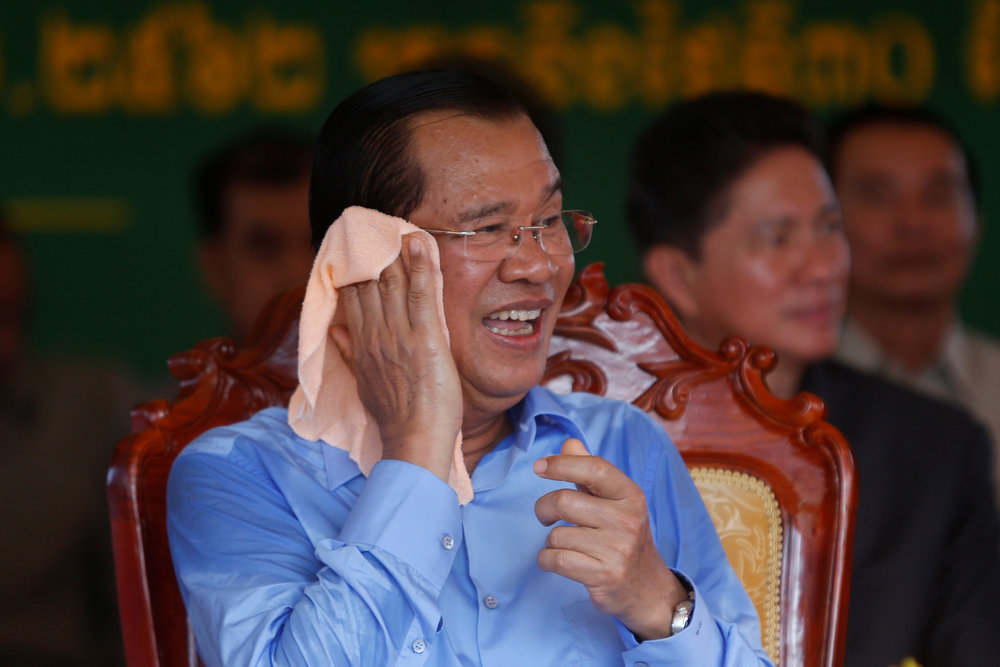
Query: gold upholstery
[(746, 516)]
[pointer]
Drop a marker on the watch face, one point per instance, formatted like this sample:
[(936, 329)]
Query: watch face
[(682, 616)]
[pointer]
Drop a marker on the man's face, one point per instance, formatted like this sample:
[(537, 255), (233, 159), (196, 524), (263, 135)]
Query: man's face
[(473, 167), (263, 248), (908, 213), (774, 270)]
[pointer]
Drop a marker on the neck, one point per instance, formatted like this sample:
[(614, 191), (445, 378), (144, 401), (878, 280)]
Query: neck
[(785, 378), (910, 333), (479, 437)]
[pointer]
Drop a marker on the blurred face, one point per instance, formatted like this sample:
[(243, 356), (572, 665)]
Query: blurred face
[(774, 271), (264, 248), (500, 314), (908, 213)]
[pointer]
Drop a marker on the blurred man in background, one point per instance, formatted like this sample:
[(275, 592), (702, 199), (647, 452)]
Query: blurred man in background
[(738, 227), (59, 421), (253, 200), (909, 193)]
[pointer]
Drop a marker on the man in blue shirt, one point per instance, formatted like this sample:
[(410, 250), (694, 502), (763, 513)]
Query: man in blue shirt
[(287, 554)]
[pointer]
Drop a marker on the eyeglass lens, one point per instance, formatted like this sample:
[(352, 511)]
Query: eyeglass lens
[(499, 238)]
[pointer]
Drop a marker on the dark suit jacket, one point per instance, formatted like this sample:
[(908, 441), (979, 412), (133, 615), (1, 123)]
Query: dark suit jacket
[(926, 574)]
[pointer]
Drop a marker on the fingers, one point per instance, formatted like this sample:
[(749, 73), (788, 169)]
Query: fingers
[(423, 313), (574, 565), (574, 447), (350, 313), (571, 506), (403, 295), (591, 474), (393, 286)]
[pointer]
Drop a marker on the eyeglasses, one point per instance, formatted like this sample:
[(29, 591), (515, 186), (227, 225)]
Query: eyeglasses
[(497, 237)]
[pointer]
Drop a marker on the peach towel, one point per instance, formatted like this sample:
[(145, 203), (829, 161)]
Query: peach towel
[(358, 246)]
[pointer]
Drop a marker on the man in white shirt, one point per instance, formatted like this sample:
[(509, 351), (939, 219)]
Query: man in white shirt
[(909, 192)]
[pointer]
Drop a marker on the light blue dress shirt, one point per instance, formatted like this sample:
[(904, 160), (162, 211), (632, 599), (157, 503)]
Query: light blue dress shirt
[(287, 555)]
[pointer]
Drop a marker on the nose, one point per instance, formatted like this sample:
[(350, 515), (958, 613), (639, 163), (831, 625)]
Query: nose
[(530, 260), (825, 260), (909, 218)]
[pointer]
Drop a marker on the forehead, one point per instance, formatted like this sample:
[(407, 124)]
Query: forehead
[(468, 159), (281, 206), (899, 147), (783, 180)]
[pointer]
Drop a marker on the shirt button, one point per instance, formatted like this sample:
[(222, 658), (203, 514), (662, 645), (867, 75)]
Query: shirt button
[(491, 601), (447, 541), (641, 664), (418, 645)]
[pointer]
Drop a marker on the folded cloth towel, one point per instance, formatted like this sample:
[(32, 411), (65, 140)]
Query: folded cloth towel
[(358, 246)]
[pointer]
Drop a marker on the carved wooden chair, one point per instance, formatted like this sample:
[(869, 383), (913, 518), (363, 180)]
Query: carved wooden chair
[(777, 479)]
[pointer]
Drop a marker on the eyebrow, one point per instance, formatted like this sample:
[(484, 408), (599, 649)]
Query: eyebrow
[(485, 210)]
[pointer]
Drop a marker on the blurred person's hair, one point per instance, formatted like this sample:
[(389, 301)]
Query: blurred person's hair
[(262, 157), (916, 116), (363, 155), (684, 162)]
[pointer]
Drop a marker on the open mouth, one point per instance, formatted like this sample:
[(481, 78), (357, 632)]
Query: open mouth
[(512, 322)]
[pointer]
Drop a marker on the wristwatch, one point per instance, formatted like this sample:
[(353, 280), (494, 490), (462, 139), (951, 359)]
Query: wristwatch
[(682, 614)]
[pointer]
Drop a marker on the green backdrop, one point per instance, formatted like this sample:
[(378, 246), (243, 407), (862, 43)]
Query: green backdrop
[(105, 107)]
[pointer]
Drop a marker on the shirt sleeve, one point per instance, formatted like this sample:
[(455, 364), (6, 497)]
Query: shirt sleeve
[(724, 630), (259, 592)]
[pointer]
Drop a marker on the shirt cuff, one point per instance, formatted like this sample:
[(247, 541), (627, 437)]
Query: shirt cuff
[(410, 513), (699, 643)]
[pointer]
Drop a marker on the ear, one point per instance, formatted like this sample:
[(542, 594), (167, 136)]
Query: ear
[(672, 272), (209, 260)]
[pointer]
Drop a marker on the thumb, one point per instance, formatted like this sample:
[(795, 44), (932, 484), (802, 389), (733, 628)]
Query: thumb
[(574, 447)]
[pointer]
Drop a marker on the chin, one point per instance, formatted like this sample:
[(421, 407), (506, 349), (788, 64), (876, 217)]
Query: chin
[(812, 355)]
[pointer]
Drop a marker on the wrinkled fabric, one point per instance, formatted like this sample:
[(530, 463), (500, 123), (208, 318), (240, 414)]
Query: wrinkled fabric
[(287, 555)]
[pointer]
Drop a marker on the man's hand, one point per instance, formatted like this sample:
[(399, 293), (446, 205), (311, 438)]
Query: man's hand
[(610, 549), (392, 339)]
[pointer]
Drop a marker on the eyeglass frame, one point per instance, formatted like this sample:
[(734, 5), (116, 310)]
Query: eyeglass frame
[(536, 233)]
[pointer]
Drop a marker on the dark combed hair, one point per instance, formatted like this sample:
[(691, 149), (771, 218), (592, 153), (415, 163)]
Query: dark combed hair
[(265, 156), (685, 161), (918, 116), (363, 155)]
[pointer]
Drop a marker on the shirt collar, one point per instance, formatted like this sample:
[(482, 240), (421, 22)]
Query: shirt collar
[(539, 406), (860, 349), (340, 469), (954, 356), (947, 372), (540, 426)]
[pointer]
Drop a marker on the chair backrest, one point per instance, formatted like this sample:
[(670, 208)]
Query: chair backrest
[(777, 479)]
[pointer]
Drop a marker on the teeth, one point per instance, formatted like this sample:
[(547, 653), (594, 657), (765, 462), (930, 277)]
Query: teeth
[(519, 315), (523, 331)]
